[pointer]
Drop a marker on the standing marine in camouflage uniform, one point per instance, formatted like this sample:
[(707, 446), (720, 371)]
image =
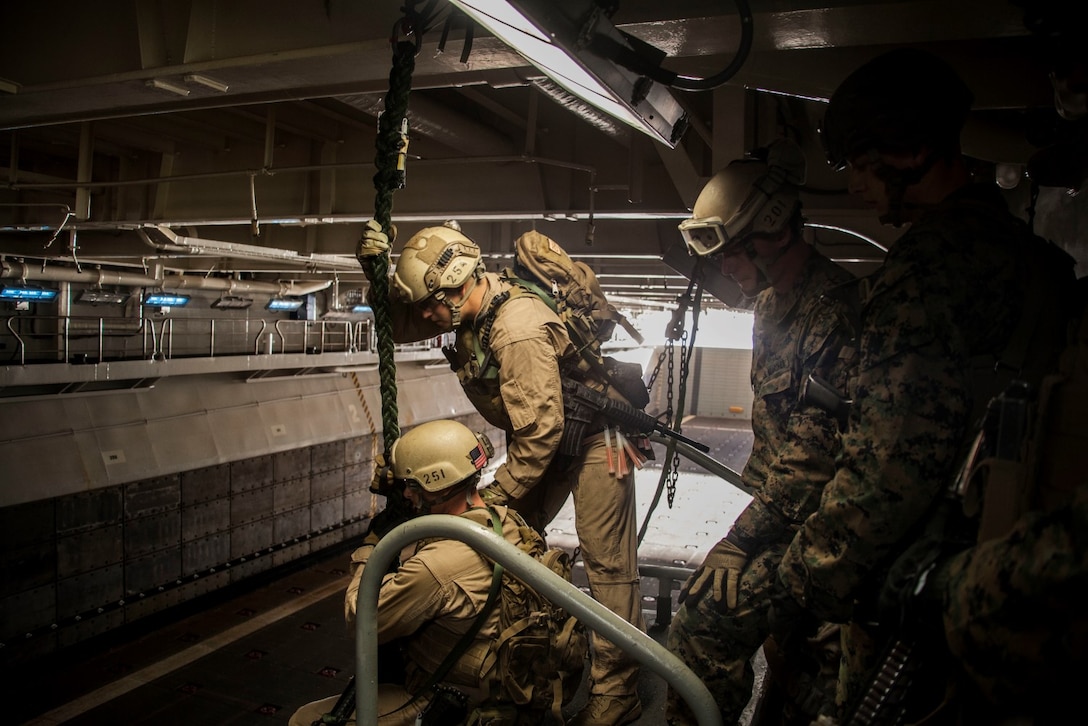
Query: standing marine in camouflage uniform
[(510, 355), (959, 307), (750, 214), (435, 596)]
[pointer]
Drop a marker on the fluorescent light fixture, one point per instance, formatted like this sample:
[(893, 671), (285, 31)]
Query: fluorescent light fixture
[(164, 85), (95, 296), (206, 82), (279, 303), (28, 294), (232, 302), (554, 37), (166, 300), (362, 309)]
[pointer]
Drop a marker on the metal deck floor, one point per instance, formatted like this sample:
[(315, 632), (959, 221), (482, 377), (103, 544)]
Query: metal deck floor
[(253, 656)]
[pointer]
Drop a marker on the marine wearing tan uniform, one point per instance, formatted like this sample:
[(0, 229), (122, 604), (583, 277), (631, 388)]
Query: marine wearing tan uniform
[(509, 354), (437, 593)]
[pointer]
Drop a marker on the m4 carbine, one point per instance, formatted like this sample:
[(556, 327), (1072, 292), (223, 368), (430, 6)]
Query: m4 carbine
[(581, 403)]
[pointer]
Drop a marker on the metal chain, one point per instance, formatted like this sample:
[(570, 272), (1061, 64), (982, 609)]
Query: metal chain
[(674, 473)]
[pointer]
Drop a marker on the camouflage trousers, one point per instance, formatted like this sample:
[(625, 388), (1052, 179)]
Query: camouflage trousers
[(717, 644)]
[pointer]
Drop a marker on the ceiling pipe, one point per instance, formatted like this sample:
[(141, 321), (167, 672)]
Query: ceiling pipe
[(98, 278), (173, 242)]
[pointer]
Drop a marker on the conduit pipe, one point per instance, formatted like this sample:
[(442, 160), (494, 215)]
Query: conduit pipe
[(98, 278), (174, 242)]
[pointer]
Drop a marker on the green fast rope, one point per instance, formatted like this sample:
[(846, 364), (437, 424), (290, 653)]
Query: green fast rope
[(388, 179)]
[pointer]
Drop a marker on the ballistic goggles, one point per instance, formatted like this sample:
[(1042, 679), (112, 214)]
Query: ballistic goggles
[(706, 236)]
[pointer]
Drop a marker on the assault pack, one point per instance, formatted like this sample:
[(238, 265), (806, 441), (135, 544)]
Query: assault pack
[(570, 288), (536, 663)]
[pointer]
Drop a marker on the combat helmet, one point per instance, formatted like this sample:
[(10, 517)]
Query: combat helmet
[(756, 195), (899, 101), (440, 455), (434, 260)]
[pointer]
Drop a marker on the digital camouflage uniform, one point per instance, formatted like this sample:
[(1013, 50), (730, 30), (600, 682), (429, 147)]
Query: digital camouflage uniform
[(522, 395), (806, 330), (935, 320), (429, 602)]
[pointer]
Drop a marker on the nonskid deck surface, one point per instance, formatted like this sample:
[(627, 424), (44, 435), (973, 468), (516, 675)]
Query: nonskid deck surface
[(253, 656)]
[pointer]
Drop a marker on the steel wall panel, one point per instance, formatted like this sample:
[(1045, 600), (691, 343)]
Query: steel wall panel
[(293, 464), (27, 610), (359, 450), (251, 567), (201, 554), (104, 586), (249, 538), (145, 574), (291, 553), (327, 513), (152, 533), (292, 524), (203, 485), (358, 476), (90, 627), (152, 496), (27, 567), (246, 507), (326, 457), (201, 520), (89, 551), (142, 607), (327, 484), (28, 523), (290, 495), (357, 503), (250, 473), (88, 510)]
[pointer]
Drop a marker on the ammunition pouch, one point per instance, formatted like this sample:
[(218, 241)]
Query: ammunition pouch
[(626, 378)]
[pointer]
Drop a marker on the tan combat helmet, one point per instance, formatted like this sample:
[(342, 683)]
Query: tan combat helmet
[(439, 455), (751, 196), (434, 260)]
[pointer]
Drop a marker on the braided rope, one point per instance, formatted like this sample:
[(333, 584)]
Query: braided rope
[(387, 179)]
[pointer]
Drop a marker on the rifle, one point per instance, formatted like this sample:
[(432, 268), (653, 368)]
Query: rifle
[(343, 710), (818, 392), (999, 442), (581, 403)]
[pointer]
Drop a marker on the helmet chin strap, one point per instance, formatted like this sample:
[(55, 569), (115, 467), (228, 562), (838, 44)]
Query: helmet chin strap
[(426, 505), (455, 308)]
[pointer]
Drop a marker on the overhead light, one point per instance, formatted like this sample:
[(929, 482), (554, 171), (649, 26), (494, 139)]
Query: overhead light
[(165, 85), (166, 300), (279, 303), (28, 294), (94, 296), (555, 37), (232, 302), (362, 309), (207, 82)]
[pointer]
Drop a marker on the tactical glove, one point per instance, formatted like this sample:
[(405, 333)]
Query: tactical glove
[(382, 480), (375, 242), (493, 495), (722, 566)]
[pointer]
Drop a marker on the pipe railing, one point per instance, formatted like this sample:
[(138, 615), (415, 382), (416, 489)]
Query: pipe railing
[(51, 339), (592, 614)]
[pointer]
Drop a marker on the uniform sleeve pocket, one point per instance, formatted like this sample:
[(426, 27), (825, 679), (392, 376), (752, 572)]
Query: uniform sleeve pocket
[(517, 405)]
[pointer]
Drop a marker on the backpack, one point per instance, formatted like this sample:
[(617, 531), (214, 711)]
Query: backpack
[(537, 661), (571, 290)]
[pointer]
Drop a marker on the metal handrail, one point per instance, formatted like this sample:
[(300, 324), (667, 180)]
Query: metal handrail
[(595, 616)]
